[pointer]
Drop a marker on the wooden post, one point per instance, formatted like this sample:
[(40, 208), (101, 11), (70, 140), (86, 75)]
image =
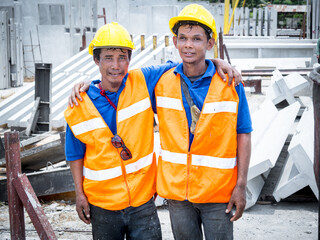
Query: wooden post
[(16, 214), (166, 40), (154, 40), (143, 43), (21, 193)]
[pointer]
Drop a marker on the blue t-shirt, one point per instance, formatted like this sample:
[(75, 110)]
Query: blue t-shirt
[(74, 148), (198, 92)]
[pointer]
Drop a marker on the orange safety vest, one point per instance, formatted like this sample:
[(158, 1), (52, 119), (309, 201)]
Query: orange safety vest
[(208, 172), (108, 181)]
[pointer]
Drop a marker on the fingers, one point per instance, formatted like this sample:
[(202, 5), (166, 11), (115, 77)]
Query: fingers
[(230, 75), (237, 77), (238, 213), (221, 74), (84, 214), (229, 207)]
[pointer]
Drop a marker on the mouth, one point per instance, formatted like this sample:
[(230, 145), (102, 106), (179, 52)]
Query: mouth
[(188, 54), (115, 74)]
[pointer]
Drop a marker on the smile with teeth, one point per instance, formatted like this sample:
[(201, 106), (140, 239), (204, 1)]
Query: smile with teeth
[(188, 54), (115, 74)]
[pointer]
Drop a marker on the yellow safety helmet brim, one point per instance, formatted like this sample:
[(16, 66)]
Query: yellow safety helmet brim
[(111, 35)]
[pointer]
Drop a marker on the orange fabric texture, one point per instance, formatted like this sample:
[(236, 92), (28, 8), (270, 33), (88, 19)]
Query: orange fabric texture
[(135, 185), (180, 177)]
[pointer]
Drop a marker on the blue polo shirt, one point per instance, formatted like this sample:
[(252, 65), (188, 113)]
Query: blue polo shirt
[(74, 148), (198, 92)]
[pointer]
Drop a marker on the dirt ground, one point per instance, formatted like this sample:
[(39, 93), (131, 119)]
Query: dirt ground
[(294, 221)]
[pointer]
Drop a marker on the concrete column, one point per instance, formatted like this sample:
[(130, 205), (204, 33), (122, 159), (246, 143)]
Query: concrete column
[(265, 24), (273, 22), (254, 22), (260, 15), (246, 22)]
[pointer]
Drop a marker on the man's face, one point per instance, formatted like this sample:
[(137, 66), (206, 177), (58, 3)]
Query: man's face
[(113, 65), (192, 43)]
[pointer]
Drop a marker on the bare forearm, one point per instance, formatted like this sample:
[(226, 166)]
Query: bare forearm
[(243, 157), (77, 174)]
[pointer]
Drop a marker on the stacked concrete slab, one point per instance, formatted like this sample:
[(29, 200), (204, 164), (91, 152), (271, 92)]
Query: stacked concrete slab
[(298, 171), (271, 128)]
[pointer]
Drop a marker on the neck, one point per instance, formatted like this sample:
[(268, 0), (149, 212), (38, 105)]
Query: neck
[(111, 87), (192, 70)]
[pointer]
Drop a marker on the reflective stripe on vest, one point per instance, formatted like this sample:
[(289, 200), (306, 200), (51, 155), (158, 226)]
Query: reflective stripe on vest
[(87, 126), (171, 103), (101, 175), (134, 109), (199, 160)]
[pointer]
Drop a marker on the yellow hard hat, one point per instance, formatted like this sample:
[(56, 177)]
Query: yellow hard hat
[(111, 35), (195, 13)]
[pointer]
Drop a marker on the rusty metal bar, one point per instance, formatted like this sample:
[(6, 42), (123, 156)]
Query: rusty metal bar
[(227, 54), (221, 52), (16, 214), (33, 207), (254, 83), (268, 72)]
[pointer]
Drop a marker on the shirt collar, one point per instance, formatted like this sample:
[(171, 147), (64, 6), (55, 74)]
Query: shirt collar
[(211, 70), (94, 92)]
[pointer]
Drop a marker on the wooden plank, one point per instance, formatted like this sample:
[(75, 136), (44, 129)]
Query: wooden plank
[(33, 207), (16, 214)]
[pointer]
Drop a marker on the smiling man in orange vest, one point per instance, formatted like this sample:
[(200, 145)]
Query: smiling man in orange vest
[(203, 163)]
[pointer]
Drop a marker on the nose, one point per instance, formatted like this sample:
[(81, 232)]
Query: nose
[(188, 43), (115, 64)]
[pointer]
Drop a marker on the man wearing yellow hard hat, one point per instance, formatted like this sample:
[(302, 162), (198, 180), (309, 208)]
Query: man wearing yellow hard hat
[(205, 135), (109, 142)]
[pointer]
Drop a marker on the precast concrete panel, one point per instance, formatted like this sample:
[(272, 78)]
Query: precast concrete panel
[(254, 22), (4, 46)]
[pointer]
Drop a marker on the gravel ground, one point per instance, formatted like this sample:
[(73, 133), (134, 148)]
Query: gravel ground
[(261, 222)]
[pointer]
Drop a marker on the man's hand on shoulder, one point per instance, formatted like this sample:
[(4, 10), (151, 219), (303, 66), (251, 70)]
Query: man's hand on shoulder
[(223, 67), (76, 90)]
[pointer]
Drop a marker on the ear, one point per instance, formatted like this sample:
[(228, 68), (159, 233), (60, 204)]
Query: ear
[(210, 43), (174, 39), (96, 61)]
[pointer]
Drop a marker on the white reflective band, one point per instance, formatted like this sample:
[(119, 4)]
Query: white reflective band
[(87, 126), (213, 162), (101, 175), (134, 109), (180, 158), (166, 102), (216, 107), (141, 163)]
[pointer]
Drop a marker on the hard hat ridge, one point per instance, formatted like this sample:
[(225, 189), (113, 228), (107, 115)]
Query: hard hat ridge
[(111, 35), (194, 13)]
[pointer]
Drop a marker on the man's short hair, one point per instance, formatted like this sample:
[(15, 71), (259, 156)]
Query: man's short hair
[(97, 51), (207, 30)]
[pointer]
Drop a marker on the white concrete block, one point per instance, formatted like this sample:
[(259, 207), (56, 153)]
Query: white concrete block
[(284, 88), (298, 172), (267, 145)]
